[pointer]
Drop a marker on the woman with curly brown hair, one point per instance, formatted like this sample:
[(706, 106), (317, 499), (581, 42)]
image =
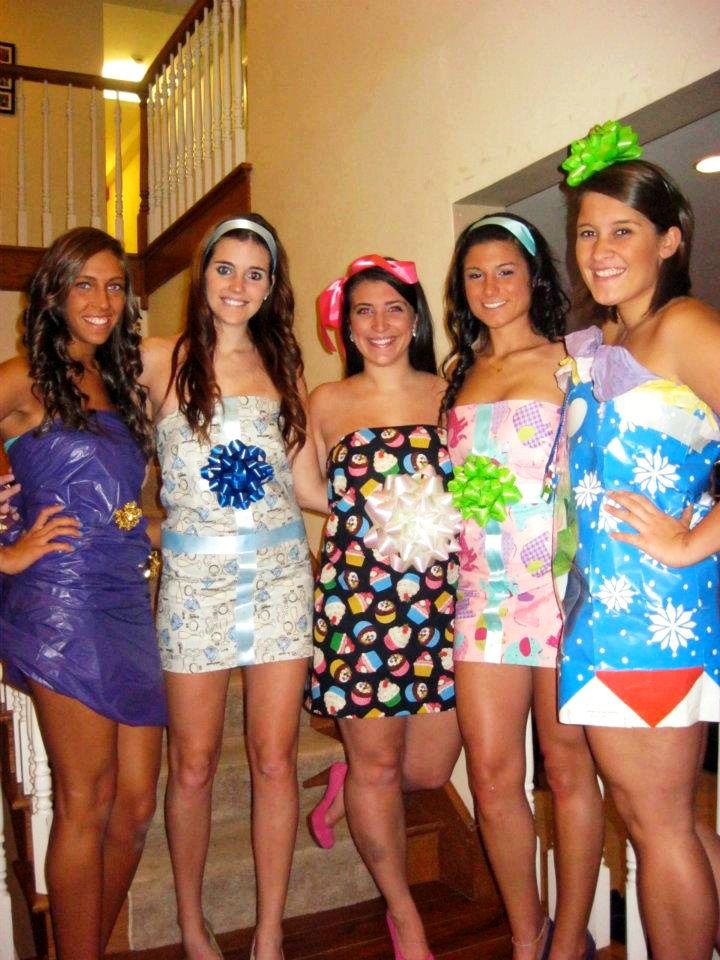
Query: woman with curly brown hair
[(76, 623), (236, 589)]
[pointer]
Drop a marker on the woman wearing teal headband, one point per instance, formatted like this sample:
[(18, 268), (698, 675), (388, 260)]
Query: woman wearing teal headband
[(236, 587), (506, 317), (640, 659)]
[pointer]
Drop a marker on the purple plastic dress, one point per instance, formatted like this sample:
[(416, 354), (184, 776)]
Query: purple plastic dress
[(81, 623)]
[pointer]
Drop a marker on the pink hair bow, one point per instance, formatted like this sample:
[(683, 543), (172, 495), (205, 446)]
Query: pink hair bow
[(330, 301)]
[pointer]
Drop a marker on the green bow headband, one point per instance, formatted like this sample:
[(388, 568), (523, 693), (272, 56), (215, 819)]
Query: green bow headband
[(602, 147)]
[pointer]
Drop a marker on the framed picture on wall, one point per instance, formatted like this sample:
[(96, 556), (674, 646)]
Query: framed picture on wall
[(7, 84)]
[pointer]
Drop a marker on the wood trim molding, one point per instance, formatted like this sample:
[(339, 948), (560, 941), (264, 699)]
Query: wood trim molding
[(66, 77), (178, 36), (167, 255), (172, 251)]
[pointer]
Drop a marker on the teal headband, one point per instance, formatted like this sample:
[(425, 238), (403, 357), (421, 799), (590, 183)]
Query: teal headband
[(240, 223), (517, 229)]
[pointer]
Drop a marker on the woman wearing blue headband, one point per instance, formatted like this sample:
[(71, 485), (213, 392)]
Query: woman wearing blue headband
[(236, 587), (640, 660), (506, 317)]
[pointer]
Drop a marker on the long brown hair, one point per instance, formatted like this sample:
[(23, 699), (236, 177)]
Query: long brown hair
[(270, 329), (46, 338)]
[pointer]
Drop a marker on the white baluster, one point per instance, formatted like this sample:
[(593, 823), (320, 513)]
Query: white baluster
[(42, 812), (96, 220), (181, 158), (207, 103), (119, 224), (599, 920), (189, 133), (46, 213), (157, 140), (22, 238), (197, 146), (150, 118), (164, 175), (238, 93), (226, 90), (635, 946), (7, 950), (530, 794), (172, 139), (70, 183), (216, 94)]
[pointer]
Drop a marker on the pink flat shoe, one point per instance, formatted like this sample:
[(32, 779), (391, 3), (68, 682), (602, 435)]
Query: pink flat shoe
[(322, 833), (394, 939)]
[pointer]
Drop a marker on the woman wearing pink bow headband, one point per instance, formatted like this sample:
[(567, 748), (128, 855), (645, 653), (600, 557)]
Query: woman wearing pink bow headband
[(386, 590)]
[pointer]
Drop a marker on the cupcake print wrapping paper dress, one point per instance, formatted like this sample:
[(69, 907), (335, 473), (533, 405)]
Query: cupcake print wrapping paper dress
[(382, 638), (507, 611), (80, 623), (642, 640), (236, 585)]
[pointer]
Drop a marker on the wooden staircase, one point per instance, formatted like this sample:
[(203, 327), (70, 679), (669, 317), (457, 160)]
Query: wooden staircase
[(443, 852)]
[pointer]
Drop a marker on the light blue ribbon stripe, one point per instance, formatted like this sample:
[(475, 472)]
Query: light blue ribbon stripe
[(232, 544)]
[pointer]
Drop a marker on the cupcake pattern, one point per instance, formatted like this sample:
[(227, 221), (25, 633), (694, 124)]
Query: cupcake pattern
[(382, 639)]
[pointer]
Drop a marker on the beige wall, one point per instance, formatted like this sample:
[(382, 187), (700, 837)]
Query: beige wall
[(368, 119)]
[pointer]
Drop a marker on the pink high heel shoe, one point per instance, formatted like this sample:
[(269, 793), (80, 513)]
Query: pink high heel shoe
[(394, 939), (322, 833)]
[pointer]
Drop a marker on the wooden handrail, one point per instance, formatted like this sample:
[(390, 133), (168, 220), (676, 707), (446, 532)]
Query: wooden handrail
[(178, 36), (67, 77)]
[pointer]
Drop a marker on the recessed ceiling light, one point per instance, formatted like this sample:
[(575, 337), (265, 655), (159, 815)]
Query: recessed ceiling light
[(709, 164)]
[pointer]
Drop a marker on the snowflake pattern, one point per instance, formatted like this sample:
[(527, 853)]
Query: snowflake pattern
[(671, 626), (606, 521), (655, 472), (588, 489), (616, 594)]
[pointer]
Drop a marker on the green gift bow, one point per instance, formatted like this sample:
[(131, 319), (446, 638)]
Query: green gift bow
[(483, 489), (602, 147)]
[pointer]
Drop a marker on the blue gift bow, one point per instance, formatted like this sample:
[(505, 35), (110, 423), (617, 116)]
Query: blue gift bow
[(236, 473)]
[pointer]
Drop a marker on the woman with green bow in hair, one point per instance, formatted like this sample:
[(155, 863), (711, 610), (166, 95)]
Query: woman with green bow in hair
[(640, 659)]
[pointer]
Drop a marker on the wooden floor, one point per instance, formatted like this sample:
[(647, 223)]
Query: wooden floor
[(457, 929)]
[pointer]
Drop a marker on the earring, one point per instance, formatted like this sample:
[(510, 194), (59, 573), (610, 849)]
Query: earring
[(351, 338), (414, 330)]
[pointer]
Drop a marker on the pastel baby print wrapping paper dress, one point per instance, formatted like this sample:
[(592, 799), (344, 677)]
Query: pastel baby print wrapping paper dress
[(236, 586), (382, 638), (81, 623), (507, 611), (642, 641)]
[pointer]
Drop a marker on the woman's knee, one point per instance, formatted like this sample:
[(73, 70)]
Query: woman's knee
[(192, 768), (376, 770), (570, 773), (85, 804), (272, 764), (494, 783)]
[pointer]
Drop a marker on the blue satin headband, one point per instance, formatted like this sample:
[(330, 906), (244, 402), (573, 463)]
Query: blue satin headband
[(517, 229), (240, 223)]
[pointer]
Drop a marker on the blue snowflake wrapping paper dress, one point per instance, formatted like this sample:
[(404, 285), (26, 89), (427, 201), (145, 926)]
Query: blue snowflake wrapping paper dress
[(81, 623), (641, 646), (236, 586)]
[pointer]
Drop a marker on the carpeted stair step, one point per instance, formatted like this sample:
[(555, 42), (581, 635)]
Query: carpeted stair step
[(321, 879)]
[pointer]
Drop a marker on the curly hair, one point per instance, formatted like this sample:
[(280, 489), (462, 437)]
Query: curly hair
[(651, 191), (46, 337), (271, 332), (468, 335), (422, 352)]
